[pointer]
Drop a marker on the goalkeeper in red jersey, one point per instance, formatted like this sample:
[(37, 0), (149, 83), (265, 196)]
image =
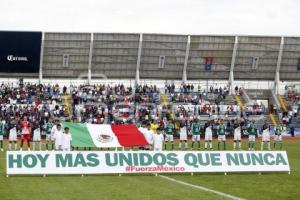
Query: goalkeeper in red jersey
[(25, 133)]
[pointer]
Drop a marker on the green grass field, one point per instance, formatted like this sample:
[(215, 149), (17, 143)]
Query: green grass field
[(273, 186)]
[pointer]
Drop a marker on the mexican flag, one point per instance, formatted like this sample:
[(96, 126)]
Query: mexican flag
[(105, 135)]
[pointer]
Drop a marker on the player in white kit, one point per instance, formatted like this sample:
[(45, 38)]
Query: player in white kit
[(208, 135), (149, 137), (58, 133), (158, 140), (183, 136), (265, 138), (12, 138), (148, 134), (36, 137), (66, 140), (143, 129), (237, 137)]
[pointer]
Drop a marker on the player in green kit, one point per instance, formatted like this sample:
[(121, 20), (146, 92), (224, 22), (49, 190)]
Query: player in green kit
[(252, 131), (196, 131), (222, 135), (169, 131), (49, 134), (1, 134), (279, 129)]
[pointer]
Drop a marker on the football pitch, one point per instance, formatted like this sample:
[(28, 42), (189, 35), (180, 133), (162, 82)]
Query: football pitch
[(273, 186)]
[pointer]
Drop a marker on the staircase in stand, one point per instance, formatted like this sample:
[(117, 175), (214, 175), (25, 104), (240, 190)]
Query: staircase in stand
[(282, 103), (239, 101), (273, 119)]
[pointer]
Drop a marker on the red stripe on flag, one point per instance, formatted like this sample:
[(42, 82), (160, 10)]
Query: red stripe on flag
[(129, 135)]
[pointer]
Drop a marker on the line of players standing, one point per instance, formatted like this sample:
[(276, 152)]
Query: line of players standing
[(56, 137), (59, 139), (159, 138)]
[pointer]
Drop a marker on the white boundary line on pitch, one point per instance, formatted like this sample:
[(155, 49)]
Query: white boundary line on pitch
[(202, 188)]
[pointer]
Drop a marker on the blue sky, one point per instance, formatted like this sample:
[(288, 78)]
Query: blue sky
[(243, 17)]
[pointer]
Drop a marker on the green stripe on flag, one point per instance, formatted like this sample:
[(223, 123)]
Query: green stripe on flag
[(80, 135)]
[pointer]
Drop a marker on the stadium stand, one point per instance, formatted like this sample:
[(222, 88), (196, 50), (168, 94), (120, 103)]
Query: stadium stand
[(131, 78)]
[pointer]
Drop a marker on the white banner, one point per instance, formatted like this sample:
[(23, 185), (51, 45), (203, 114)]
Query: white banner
[(66, 60), (255, 63), (102, 162), (161, 62)]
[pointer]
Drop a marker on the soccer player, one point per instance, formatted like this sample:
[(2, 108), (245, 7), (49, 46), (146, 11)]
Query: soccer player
[(183, 136), (278, 135), (12, 135), (252, 131), (2, 123), (49, 134), (36, 136), (265, 139), (66, 140), (237, 136), (158, 140), (149, 136), (25, 133), (143, 130), (146, 130), (208, 135), (58, 137), (222, 135), (169, 131), (196, 131)]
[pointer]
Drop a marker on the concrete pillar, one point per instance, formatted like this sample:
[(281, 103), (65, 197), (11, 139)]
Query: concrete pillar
[(41, 58), (186, 58), (277, 72), (138, 63), (90, 59), (231, 74)]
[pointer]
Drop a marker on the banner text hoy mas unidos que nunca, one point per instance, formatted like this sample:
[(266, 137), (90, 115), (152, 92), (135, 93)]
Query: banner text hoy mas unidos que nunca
[(102, 162)]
